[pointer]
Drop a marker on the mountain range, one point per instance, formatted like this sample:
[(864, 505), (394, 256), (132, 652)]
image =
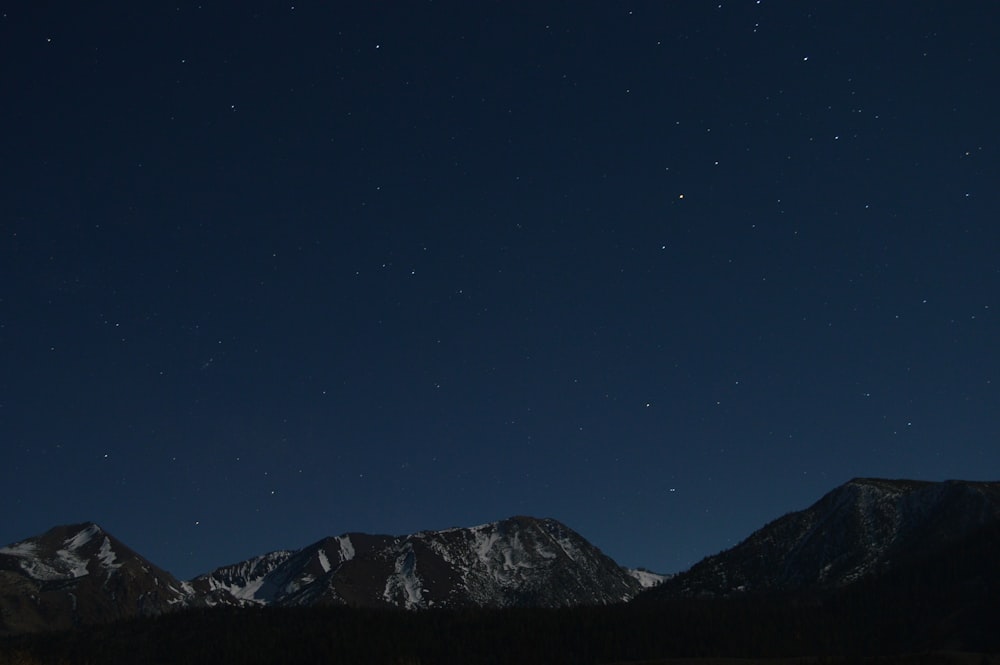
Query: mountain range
[(865, 533), (79, 574)]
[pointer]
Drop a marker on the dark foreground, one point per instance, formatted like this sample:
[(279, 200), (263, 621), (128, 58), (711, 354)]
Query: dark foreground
[(853, 627)]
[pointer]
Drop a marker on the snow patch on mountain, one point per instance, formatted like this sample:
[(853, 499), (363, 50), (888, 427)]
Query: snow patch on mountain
[(244, 591), (244, 582), (513, 554), (483, 542), (22, 550), (39, 570), (346, 548), (82, 537), (324, 562), (107, 556), (567, 546), (646, 579), (404, 586)]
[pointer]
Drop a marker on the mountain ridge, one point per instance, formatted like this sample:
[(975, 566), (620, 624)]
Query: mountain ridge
[(858, 529), (79, 574), (46, 580), (859, 532)]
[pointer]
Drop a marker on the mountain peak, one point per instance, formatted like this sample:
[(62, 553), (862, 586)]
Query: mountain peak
[(75, 574), (856, 530), (521, 560), (85, 532)]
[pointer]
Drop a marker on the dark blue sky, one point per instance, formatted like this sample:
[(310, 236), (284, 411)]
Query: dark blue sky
[(661, 270)]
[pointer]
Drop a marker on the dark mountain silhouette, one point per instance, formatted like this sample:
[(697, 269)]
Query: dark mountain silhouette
[(864, 528)]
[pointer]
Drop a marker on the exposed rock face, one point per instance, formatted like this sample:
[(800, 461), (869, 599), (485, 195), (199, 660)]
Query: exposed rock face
[(862, 528), (515, 562), (79, 574)]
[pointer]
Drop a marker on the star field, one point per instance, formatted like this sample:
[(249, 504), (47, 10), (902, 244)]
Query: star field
[(662, 271)]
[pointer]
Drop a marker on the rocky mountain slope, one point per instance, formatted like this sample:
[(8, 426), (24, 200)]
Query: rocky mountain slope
[(79, 574), (515, 562), (888, 538), (861, 529)]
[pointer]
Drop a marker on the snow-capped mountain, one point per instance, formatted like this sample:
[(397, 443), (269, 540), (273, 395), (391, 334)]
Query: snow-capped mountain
[(79, 574), (860, 529), (514, 562), (646, 578)]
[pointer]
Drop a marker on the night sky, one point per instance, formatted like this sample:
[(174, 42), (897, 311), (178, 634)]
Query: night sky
[(663, 271)]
